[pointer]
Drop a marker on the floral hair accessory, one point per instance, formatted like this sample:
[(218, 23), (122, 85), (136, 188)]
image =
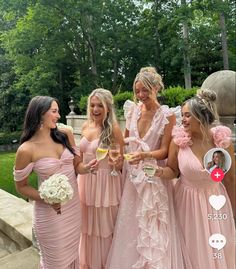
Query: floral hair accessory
[(221, 136)]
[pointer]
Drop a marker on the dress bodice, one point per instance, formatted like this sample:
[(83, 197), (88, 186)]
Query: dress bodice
[(47, 166), (156, 130), (88, 149), (192, 172)]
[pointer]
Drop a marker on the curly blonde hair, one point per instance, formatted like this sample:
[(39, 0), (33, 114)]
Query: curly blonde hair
[(203, 108), (106, 98), (149, 78)]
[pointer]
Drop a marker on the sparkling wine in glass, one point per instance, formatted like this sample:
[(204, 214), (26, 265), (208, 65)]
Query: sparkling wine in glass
[(102, 151), (149, 168), (114, 153)]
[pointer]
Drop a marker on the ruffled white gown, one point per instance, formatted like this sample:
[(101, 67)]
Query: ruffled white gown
[(145, 234)]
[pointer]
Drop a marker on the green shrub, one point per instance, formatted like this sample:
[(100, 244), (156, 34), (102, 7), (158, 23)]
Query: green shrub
[(82, 104), (9, 138), (172, 96), (121, 97), (119, 100), (175, 96), (7, 161)]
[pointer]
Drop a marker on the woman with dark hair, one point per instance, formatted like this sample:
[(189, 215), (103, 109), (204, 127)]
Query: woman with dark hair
[(202, 225), (47, 151)]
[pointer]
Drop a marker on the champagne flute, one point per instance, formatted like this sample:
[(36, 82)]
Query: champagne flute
[(102, 151), (149, 168), (127, 153), (114, 153)]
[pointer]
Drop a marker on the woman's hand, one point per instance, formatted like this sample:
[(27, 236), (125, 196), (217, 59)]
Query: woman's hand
[(57, 207), (136, 157), (159, 171), (92, 166)]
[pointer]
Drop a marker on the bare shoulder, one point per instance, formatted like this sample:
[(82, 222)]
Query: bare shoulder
[(84, 127), (24, 155)]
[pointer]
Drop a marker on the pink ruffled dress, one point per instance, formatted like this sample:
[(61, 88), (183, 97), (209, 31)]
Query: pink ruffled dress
[(145, 234), (100, 196), (57, 235), (192, 206)]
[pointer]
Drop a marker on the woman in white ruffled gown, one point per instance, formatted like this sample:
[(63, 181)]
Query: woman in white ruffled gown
[(145, 235)]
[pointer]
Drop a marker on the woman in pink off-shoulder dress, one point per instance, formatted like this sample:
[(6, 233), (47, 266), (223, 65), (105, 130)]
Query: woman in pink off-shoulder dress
[(47, 151), (145, 234), (100, 192), (199, 219)]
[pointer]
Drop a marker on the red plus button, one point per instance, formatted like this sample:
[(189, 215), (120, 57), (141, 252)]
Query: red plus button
[(217, 174)]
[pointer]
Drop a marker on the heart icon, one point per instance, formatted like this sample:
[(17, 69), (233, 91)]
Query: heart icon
[(217, 201)]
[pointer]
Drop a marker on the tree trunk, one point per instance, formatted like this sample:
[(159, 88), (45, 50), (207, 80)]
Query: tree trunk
[(187, 66), (224, 41)]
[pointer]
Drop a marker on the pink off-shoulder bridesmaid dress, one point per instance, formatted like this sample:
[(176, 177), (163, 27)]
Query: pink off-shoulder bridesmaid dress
[(57, 235)]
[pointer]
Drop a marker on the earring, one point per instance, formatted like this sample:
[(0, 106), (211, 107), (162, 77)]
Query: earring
[(41, 125)]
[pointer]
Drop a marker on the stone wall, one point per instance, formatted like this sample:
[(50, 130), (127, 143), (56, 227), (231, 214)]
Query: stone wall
[(12, 147), (77, 121), (16, 250)]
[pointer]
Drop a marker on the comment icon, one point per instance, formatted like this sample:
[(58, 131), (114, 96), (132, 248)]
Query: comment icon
[(217, 241)]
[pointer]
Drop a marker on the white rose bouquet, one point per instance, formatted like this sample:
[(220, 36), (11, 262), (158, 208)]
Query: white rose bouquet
[(56, 189), (64, 126)]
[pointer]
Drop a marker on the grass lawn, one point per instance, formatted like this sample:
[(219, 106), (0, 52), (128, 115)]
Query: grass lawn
[(7, 160)]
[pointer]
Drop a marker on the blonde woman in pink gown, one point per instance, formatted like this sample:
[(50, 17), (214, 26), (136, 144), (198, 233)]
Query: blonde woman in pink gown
[(100, 192), (47, 151), (145, 236), (196, 218)]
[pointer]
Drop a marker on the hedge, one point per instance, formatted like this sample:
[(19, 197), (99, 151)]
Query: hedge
[(10, 138), (172, 96)]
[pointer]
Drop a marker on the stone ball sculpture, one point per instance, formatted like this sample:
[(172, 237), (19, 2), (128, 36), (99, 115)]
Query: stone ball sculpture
[(223, 83)]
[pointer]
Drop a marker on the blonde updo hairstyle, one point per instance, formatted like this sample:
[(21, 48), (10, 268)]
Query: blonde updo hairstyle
[(203, 107), (150, 79), (109, 119)]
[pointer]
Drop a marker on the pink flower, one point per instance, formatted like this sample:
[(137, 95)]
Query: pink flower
[(221, 136), (181, 137)]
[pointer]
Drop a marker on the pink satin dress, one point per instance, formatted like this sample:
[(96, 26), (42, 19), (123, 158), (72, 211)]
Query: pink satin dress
[(57, 235), (145, 234), (100, 196), (197, 219)]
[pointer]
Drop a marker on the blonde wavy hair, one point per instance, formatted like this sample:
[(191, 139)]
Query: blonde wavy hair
[(149, 78), (109, 119), (203, 108)]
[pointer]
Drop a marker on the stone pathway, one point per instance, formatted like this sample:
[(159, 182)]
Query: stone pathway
[(16, 250)]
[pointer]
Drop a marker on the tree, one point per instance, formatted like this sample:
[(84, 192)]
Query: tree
[(187, 67)]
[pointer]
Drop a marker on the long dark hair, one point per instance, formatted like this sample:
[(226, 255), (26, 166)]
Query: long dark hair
[(37, 107)]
